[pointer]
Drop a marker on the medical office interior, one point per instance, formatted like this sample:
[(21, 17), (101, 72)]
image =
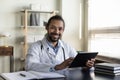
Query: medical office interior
[(91, 25)]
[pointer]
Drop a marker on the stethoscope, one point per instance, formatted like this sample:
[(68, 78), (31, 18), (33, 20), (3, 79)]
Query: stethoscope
[(48, 49)]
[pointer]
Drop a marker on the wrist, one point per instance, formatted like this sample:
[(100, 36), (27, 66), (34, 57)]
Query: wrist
[(56, 67)]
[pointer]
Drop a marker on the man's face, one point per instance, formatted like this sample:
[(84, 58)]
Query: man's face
[(55, 30)]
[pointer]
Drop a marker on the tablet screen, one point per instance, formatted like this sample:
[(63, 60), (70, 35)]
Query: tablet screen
[(81, 59)]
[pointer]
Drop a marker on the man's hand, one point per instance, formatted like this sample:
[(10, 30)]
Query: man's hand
[(90, 63), (64, 64)]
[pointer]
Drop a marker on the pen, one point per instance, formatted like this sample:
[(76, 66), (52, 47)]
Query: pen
[(23, 75)]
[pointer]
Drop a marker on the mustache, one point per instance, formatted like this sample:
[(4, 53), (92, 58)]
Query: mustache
[(55, 34)]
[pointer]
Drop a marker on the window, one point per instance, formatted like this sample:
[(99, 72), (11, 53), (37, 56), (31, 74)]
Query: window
[(104, 27)]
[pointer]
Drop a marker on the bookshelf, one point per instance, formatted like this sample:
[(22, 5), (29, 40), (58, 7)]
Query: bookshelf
[(26, 27)]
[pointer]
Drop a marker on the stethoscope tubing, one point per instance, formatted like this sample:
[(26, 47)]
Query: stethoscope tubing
[(62, 49)]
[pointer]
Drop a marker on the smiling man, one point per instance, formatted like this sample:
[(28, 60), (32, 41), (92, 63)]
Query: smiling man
[(51, 53)]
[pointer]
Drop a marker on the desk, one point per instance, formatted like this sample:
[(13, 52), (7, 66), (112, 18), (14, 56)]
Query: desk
[(78, 74)]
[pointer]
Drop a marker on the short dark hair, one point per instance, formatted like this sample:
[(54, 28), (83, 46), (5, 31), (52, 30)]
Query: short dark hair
[(56, 17)]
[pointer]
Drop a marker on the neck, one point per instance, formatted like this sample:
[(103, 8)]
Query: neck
[(54, 44)]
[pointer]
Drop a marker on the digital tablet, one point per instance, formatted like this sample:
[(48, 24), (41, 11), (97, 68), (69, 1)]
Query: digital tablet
[(81, 59)]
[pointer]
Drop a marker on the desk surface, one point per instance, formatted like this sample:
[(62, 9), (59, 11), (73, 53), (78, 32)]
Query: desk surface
[(78, 74)]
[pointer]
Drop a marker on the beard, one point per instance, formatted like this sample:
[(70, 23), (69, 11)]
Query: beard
[(51, 37)]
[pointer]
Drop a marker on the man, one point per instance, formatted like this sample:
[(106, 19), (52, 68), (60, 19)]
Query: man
[(51, 53)]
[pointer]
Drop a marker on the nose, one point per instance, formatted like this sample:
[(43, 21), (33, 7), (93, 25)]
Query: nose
[(57, 30)]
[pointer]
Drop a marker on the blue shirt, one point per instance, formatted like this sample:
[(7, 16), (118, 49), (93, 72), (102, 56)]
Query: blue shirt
[(55, 49)]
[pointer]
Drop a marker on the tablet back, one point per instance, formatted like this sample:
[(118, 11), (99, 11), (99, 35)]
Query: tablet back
[(81, 59)]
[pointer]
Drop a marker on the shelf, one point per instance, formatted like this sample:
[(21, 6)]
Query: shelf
[(2, 35), (34, 11), (41, 27), (27, 28)]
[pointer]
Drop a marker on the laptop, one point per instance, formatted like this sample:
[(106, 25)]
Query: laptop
[(81, 59)]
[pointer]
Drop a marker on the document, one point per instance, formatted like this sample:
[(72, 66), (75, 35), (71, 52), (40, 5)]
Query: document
[(27, 75)]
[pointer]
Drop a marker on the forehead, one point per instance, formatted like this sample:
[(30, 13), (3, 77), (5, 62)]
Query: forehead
[(56, 23)]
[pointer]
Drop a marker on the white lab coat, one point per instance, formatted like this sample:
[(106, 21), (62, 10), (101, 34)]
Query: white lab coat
[(42, 59)]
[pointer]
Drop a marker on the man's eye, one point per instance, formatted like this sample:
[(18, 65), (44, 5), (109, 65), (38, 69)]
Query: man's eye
[(55, 28), (60, 29)]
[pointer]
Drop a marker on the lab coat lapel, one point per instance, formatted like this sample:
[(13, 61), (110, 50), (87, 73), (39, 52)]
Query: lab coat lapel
[(50, 51), (60, 50)]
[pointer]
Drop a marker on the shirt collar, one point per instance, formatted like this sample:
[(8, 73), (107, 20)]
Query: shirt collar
[(50, 44)]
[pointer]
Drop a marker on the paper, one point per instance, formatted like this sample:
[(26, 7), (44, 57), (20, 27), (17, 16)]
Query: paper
[(17, 76), (26, 75), (47, 74)]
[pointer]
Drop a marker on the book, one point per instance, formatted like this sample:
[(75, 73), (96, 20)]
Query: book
[(106, 73), (107, 70), (27, 75), (108, 66)]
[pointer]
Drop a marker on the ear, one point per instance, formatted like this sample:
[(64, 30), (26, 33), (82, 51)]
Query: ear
[(45, 23), (46, 27)]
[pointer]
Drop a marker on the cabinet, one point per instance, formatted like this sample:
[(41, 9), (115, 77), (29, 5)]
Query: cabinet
[(28, 27), (7, 51)]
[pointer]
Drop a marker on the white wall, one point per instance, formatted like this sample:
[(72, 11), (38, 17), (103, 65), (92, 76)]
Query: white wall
[(70, 10), (10, 19)]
